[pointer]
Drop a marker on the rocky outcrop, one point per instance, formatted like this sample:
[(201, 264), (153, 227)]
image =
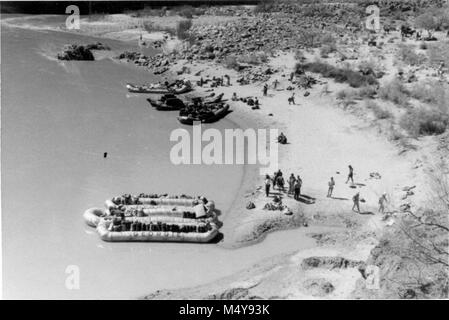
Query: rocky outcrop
[(329, 263), (76, 52)]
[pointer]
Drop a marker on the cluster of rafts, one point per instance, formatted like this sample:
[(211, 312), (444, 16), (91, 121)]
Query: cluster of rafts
[(155, 218), (197, 109)]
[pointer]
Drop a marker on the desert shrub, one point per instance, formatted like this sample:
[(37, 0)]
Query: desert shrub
[(254, 58), (438, 52), (353, 78), (396, 135), (367, 92), (424, 122), (431, 92), (433, 19), (264, 6), (346, 94), (326, 49), (426, 21), (182, 29), (188, 12), (231, 62), (147, 12), (310, 37), (152, 27), (395, 92), (299, 55), (407, 54), (378, 112), (371, 67), (342, 94)]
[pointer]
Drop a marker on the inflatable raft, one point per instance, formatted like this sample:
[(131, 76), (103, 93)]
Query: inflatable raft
[(144, 218)]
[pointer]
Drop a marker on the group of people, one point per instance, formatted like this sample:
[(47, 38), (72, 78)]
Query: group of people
[(216, 81), (356, 198), (294, 184)]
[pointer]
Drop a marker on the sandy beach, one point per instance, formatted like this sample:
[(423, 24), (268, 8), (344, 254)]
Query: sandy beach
[(323, 245)]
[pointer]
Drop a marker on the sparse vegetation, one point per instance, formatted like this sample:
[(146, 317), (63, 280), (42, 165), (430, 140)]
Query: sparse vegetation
[(432, 92), (438, 52), (395, 92), (230, 62), (152, 27), (378, 112), (424, 122), (408, 55), (264, 6), (433, 19), (254, 58), (182, 29), (353, 78)]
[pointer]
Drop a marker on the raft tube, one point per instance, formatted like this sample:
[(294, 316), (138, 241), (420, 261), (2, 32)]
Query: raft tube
[(93, 216), (190, 203), (151, 236)]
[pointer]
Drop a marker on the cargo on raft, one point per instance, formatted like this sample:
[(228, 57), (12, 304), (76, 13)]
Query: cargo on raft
[(178, 87), (155, 218)]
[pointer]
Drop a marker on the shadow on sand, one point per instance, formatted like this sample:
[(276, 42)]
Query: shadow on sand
[(306, 199)]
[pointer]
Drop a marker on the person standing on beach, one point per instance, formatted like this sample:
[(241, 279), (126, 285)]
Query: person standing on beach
[(299, 183), (382, 201), (228, 80), (265, 89), (356, 201), (280, 182), (291, 184), (275, 84), (275, 177), (291, 100), (297, 189), (350, 175), (267, 185), (331, 184)]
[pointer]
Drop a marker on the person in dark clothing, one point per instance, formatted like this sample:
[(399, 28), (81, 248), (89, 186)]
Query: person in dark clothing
[(350, 175), (297, 189), (280, 182), (265, 89), (356, 201), (267, 185)]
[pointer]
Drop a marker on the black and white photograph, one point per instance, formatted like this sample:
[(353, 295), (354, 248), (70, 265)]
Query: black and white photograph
[(254, 150)]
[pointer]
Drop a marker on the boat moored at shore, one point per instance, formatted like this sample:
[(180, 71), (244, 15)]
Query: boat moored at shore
[(155, 218)]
